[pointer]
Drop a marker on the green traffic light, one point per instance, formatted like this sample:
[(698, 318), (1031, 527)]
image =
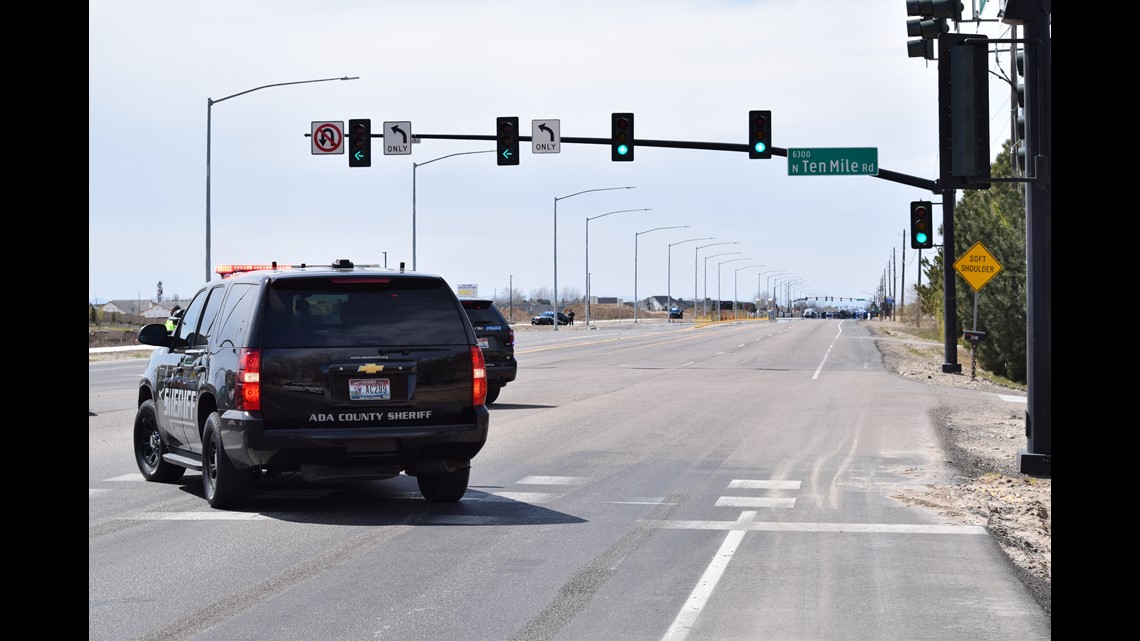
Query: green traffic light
[(760, 146), (622, 150), (921, 238)]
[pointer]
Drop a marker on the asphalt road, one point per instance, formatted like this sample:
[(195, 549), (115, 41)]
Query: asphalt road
[(656, 482)]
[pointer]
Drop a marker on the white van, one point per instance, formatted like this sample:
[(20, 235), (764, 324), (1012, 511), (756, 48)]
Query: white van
[(810, 313)]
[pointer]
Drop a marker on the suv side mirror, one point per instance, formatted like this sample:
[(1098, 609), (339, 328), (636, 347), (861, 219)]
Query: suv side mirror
[(154, 334)]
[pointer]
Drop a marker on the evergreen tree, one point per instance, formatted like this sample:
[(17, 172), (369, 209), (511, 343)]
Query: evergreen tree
[(994, 217)]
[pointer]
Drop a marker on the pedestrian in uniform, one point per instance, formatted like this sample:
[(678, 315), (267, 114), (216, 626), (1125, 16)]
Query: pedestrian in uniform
[(175, 314)]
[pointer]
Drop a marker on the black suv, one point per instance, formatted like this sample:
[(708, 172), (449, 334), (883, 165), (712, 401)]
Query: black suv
[(330, 373), (497, 340)]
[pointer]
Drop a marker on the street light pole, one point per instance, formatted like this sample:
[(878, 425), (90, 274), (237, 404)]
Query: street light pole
[(776, 283), (695, 252), (415, 165), (209, 124), (706, 295), (635, 237), (620, 211), (669, 273), (735, 276), (778, 271), (718, 266), (554, 294), (768, 288)]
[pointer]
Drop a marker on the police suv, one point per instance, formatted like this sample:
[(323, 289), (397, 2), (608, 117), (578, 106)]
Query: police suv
[(332, 373)]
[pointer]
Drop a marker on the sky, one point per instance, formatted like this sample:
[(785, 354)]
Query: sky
[(834, 73)]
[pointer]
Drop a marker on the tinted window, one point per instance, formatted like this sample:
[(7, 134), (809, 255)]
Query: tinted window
[(210, 314), (347, 312), (483, 313), (235, 317), (188, 325)]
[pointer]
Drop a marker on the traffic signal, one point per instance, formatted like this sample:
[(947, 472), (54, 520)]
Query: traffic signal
[(759, 134), (621, 137), (921, 225), (360, 142), (931, 22), (507, 135)]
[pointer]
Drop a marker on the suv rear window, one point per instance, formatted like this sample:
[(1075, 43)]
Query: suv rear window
[(482, 312), (342, 312)]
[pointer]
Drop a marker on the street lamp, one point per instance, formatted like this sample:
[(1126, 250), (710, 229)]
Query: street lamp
[(706, 295), (735, 275), (421, 164), (635, 237), (772, 282), (669, 274), (776, 283), (554, 295), (620, 211), (209, 123), (695, 252), (777, 271), (718, 266)]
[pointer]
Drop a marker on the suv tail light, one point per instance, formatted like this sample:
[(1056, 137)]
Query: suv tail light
[(512, 340), (247, 391), (479, 377)]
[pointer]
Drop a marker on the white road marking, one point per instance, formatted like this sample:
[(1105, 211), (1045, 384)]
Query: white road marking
[(866, 528), (683, 623), (753, 501), (687, 364), (199, 516), (643, 500), (763, 485), (127, 477), (828, 352), (554, 480), (524, 497), (93, 492), (1013, 399)]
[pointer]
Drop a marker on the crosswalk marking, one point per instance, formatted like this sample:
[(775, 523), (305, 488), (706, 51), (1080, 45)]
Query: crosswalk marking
[(753, 501), (764, 485), (553, 480)]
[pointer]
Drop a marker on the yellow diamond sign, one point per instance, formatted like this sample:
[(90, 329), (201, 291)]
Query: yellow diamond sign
[(977, 266)]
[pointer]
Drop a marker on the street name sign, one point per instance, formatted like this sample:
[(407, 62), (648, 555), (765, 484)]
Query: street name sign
[(977, 266), (833, 161)]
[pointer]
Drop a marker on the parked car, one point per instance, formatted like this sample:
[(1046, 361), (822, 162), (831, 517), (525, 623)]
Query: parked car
[(497, 340), (547, 318), (328, 373)]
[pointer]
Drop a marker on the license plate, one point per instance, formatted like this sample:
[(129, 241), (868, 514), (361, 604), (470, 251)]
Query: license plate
[(484, 343), (369, 389)]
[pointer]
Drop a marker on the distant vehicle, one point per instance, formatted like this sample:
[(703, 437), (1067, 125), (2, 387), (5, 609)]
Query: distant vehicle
[(497, 340), (547, 318), (811, 313), (676, 312)]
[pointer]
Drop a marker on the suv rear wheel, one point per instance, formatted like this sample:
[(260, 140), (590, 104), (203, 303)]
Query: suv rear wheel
[(149, 447), (446, 487), (225, 486), (492, 393)]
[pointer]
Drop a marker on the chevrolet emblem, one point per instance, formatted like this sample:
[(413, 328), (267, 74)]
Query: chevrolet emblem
[(370, 368)]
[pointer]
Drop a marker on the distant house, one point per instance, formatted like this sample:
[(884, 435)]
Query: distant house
[(139, 312)]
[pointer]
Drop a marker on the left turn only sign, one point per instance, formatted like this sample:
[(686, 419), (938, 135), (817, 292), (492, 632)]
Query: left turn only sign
[(328, 137)]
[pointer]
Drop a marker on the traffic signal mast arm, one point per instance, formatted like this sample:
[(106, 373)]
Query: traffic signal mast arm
[(885, 174)]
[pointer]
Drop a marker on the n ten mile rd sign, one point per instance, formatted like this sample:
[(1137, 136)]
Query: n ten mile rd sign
[(977, 266), (833, 161)]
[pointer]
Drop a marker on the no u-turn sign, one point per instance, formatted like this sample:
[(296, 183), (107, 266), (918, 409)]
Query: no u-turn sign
[(327, 137)]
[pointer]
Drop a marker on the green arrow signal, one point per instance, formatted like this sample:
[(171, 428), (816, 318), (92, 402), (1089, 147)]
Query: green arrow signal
[(358, 155), (506, 153)]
